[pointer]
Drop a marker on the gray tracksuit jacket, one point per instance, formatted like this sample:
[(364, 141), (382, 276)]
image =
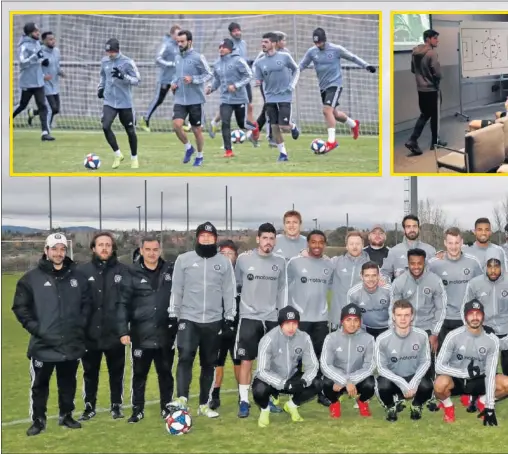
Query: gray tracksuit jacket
[(348, 358), (280, 355), (30, 68), (374, 305), (494, 297), (191, 63), (118, 92), (231, 70), (483, 254), (288, 247), (203, 289), (428, 297), (264, 285), (309, 280), (460, 347), (52, 86), (240, 48), (455, 275), (398, 357), (165, 60), (396, 262), (278, 83), (327, 63), (347, 273)]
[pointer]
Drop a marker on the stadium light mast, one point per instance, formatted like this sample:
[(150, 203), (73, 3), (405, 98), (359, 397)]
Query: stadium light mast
[(100, 203), (146, 207), (227, 209), (139, 217), (414, 196), (231, 213), (50, 207)]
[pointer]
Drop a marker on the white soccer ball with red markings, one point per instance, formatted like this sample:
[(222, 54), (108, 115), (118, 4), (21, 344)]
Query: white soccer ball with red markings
[(238, 136), (92, 161), (178, 423)]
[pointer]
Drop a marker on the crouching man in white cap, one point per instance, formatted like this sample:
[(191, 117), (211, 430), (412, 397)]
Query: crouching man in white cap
[(52, 302)]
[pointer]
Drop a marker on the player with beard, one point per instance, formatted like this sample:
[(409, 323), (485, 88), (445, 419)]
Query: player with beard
[(377, 249), (483, 248), (291, 243)]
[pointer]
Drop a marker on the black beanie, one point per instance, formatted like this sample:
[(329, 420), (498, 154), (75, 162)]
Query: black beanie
[(350, 310), (112, 45), (288, 313), (319, 35), (206, 227), (29, 28)]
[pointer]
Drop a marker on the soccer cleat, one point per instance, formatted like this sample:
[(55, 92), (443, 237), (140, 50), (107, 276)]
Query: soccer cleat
[(188, 154), (144, 124), (243, 409), (136, 417), (116, 411), (134, 163), (416, 412), (187, 128), (69, 422), (295, 132), (264, 419), (335, 410), (214, 403), (323, 400), (391, 414), (400, 405), (293, 412), (31, 116), (449, 414), (356, 130), (117, 161), (38, 426), (282, 157), (465, 400), (47, 137), (331, 146), (198, 162), (413, 147), (212, 130), (274, 406), (205, 410), (88, 413), (272, 143), (432, 405), (255, 132), (179, 403), (364, 408), (229, 154)]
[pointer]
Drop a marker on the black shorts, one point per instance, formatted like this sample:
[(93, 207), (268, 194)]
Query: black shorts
[(471, 387), (330, 96), (227, 344), (375, 332), (194, 111), (248, 87), (279, 113), (248, 336)]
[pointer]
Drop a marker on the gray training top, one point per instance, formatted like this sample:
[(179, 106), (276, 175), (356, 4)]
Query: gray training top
[(492, 251), (231, 70), (165, 60), (118, 92), (374, 305), (52, 86), (289, 247)]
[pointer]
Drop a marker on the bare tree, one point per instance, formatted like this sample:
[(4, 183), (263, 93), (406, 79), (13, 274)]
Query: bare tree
[(433, 222), (500, 215)]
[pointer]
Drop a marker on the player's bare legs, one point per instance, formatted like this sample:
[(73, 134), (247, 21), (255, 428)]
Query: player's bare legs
[(332, 116), (250, 113), (180, 133), (200, 140), (244, 381), (279, 140)]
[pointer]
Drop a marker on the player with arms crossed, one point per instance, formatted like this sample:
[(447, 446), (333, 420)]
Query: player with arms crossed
[(192, 72), (279, 74), (118, 75), (467, 364), (327, 62)]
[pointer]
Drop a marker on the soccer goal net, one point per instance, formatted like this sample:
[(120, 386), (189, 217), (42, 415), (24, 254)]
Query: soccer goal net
[(20, 255), (81, 40)]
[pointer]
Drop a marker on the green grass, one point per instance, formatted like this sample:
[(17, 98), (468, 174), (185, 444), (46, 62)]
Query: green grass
[(163, 153), (318, 433)]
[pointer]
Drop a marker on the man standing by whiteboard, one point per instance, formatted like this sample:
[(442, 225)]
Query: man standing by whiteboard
[(427, 70)]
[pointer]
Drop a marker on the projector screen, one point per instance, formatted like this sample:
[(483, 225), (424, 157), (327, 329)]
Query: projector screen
[(408, 30)]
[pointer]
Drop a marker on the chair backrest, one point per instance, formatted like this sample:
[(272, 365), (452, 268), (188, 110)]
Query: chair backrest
[(485, 148), (504, 122)]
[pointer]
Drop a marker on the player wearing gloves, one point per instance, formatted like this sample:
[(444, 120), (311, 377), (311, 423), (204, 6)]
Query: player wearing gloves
[(203, 301), (347, 363), (117, 77), (467, 364), (280, 352)]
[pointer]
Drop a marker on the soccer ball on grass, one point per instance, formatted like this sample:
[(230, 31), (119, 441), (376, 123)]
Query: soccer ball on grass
[(238, 136), (178, 423), (318, 146), (92, 161)]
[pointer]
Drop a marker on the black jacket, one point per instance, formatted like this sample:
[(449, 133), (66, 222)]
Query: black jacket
[(377, 255), (104, 279), (143, 310), (54, 307)]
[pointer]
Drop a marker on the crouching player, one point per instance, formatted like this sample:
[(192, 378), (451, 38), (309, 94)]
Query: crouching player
[(467, 364), (280, 351), (347, 363)]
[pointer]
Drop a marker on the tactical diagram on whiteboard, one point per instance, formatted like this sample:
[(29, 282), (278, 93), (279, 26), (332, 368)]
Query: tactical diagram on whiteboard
[(484, 51)]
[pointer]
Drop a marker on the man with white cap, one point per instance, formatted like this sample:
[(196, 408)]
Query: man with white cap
[(377, 249), (52, 302)]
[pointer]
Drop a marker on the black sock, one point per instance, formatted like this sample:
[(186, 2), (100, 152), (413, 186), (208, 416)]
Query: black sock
[(216, 393)]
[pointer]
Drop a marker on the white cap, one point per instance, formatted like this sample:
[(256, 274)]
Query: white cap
[(56, 238)]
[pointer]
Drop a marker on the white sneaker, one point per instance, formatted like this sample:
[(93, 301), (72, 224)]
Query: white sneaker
[(205, 410), (356, 405), (179, 402)]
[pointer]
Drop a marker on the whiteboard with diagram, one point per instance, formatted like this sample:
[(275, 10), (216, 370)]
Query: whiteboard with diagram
[(484, 48)]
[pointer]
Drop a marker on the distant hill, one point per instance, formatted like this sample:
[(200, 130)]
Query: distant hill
[(27, 230)]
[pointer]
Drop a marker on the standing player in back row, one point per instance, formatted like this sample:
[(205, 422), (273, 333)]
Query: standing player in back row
[(291, 243), (117, 77), (327, 62)]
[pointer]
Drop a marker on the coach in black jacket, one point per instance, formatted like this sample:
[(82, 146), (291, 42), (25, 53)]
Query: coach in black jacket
[(52, 302), (104, 274), (144, 305)]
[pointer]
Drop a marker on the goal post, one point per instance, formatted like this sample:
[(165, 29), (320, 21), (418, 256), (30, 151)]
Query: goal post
[(81, 40)]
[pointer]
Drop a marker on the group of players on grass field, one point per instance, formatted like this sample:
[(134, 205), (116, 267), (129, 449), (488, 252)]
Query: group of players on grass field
[(432, 324), (188, 75)]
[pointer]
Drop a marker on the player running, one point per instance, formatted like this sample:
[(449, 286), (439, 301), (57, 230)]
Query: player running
[(118, 75), (291, 243), (326, 58), (192, 72)]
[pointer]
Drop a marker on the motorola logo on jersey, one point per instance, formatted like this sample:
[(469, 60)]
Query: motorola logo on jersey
[(251, 277), (363, 310), (393, 359), (383, 302), (445, 282), (303, 280)]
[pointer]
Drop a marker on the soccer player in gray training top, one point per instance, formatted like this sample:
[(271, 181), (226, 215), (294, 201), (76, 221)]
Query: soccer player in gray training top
[(279, 74), (262, 276), (327, 63), (491, 289), (467, 364), (291, 243), (31, 77), (281, 351), (396, 262), (403, 360), (203, 300), (347, 362), (117, 77), (482, 248), (166, 62), (231, 74), (192, 72), (309, 279), (52, 74), (373, 298)]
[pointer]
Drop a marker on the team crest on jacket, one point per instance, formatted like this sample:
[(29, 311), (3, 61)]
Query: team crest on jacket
[(466, 271), (360, 349), (138, 353), (74, 283), (416, 347), (38, 363), (298, 351), (167, 276), (326, 271), (216, 267), (330, 56), (426, 290), (482, 350), (118, 278), (279, 63), (383, 302), (230, 66), (504, 293), (275, 268)]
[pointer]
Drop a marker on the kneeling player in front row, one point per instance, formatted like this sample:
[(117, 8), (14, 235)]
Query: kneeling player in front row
[(467, 364), (347, 363), (280, 352)]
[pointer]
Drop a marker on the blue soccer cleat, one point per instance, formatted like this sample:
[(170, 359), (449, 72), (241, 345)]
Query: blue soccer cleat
[(295, 132), (188, 154), (273, 405), (283, 157), (243, 409), (198, 162)]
